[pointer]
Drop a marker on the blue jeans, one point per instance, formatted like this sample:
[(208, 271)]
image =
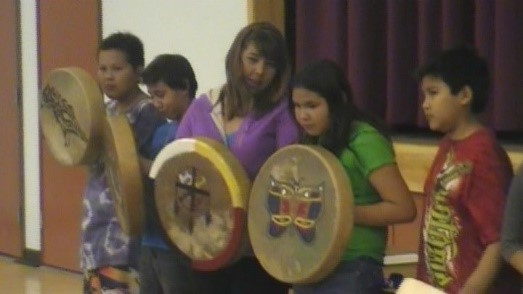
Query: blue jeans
[(361, 276), (165, 272)]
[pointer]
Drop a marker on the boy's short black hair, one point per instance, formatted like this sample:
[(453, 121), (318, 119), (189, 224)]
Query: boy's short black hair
[(174, 70), (127, 43), (460, 67)]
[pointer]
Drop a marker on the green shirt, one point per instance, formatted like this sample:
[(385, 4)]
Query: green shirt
[(367, 151)]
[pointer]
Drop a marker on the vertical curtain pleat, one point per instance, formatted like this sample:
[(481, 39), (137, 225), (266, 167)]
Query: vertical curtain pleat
[(508, 66), (484, 42), (322, 30), (367, 54), (381, 43), (402, 37)]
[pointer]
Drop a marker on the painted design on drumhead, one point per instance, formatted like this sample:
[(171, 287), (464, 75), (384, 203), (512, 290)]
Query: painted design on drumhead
[(292, 201), (193, 197), (63, 113), (201, 221)]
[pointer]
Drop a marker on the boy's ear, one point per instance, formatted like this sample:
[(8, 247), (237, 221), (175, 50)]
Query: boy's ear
[(465, 96)]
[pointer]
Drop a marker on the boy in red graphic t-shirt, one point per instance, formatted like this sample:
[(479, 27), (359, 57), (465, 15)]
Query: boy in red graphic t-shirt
[(466, 186)]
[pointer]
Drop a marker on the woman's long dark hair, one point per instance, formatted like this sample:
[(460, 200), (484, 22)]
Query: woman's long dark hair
[(270, 43), (328, 80)]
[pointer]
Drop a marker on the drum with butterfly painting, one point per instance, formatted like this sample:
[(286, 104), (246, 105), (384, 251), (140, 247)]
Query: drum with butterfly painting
[(71, 111), (201, 193), (300, 214)]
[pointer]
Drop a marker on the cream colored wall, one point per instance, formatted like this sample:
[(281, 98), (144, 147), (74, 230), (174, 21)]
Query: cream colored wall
[(200, 30)]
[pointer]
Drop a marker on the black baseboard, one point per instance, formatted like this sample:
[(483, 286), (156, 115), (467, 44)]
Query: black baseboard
[(30, 257)]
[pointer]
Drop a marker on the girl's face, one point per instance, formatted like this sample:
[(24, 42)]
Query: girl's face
[(116, 76), (257, 71), (442, 108), (171, 103), (311, 111)]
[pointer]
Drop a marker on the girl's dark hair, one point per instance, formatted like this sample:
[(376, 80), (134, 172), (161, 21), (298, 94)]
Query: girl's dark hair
[(329, 81), (127, 43), (174, 70), (270, 43)]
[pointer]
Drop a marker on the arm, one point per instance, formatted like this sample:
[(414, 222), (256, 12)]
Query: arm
[(485, 272), (397, 205), (287, 130), (185, 126), (484, 200), (511, 243)]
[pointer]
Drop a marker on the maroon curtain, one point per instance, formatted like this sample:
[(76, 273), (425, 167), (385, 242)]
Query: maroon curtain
[(381, 43)]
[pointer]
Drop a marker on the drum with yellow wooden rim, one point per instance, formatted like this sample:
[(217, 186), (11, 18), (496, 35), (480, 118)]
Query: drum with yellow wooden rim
[(201, 195)]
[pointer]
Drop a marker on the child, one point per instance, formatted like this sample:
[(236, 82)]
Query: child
[(323, 106), (467, 182), (248, 115), (106, 253), (172, 85), (512, 233)]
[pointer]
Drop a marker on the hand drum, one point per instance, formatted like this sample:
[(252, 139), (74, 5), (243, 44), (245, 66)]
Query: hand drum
[(71, 114), (201, 195), (300, 214)]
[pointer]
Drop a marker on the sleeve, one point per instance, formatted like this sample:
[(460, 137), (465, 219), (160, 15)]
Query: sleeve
[(185, 126), (372, 151), (146, 123), (287, 130), (485, 194), (512, 232)]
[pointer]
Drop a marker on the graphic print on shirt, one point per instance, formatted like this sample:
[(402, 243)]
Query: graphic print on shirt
[(441, 226), (292, 201)]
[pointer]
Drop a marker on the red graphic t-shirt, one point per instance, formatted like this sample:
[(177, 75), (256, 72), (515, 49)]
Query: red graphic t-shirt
[(465, 197)]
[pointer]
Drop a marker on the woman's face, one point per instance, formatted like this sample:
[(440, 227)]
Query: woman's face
[(311, 111), (117, 77), (257, 71)]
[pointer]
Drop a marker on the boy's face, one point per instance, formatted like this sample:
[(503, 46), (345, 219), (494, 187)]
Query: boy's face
[(444, 111), (116, 76), (171, 103)]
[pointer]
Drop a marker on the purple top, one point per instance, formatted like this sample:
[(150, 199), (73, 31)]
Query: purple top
[(254, 141)]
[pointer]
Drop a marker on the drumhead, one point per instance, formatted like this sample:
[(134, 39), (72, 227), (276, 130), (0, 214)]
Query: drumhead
[(300, 214), (71, 116), (123, 174), (201, 195)]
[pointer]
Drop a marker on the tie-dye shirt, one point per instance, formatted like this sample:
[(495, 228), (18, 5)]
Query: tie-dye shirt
[(103, 241)]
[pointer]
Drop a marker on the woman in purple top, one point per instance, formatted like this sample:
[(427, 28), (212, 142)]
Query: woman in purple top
[(248, 115)]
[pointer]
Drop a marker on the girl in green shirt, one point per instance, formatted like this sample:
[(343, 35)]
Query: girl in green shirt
[(323, 106)]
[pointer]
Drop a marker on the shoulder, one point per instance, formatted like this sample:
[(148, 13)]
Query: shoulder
[(483, 146), (279, 110), (199, 105), (364, 133)]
